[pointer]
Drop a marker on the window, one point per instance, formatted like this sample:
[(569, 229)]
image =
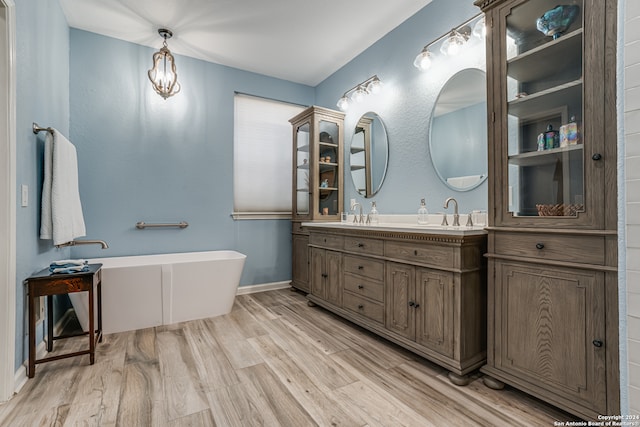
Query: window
[(262, 158)]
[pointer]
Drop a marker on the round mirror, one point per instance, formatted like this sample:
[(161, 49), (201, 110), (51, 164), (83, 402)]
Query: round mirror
[(369, 154), (458, 140)]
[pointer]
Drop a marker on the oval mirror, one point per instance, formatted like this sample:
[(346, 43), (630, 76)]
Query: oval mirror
[(458, 131), (369, 154)]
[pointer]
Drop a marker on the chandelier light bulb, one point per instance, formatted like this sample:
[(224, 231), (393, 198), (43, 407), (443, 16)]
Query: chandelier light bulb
[(480, 29)]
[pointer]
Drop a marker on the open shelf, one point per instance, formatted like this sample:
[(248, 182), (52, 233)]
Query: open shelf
[(545, 157), (565, 94)]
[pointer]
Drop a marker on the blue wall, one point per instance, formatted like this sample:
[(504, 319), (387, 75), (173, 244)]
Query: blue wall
[(405, 106), (143, 158), (42, 96)]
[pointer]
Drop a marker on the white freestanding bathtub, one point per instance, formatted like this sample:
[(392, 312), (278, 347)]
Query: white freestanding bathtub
[(150, 290)]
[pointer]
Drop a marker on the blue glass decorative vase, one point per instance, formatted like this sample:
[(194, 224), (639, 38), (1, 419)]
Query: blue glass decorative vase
[(556, 21)]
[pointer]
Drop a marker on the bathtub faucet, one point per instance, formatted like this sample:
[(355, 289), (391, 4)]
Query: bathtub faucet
[(84, 242)]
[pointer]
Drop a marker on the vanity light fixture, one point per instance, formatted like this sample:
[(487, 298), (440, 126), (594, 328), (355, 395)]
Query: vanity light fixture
[(163, 76), (372, 85), (452, 42)]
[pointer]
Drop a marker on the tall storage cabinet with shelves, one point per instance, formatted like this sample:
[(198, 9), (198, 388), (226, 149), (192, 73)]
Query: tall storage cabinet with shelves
[(552, 244), (318, 172)]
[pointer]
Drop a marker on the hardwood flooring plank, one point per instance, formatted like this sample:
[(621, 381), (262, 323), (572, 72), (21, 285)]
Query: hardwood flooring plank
[(271, 396), (317, 364), (320, 407), (141, 346), (257, 310), (211, 363), (141, 395), (199, 419), (378, 408), (234, 344), (180, 384)]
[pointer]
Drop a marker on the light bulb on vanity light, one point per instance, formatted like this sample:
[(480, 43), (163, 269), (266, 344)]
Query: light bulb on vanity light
[(423, 60), (358, 95), (375, 85), (480, 29), (343, 103), (452, 45)]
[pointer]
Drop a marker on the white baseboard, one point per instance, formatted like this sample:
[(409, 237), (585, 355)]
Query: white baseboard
[(20, 378), (251, 289)]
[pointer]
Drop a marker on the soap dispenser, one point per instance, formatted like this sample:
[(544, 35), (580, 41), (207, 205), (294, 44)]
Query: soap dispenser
[(374, 214), (423, 214)]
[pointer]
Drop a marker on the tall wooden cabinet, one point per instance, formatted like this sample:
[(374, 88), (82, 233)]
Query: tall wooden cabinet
[(552, 243), (318, 173)]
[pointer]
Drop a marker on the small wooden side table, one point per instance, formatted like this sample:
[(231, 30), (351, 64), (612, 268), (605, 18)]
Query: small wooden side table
[(47, 284)]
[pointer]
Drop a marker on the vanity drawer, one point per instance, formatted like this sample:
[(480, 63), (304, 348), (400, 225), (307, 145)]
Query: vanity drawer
[(363, 306), (326, 240), (580, 249), (370, 268), (441, 256), (363, 245), (361, 286)]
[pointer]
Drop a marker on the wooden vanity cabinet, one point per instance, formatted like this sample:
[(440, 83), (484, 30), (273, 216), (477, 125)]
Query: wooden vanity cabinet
[(552, 243), (424, 292)]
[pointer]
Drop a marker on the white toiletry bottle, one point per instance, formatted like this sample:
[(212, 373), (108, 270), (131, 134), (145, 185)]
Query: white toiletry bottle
[(373, 215), (423, 214)]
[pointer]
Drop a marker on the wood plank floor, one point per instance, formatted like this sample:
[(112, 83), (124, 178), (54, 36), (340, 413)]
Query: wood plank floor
[(272, 361)]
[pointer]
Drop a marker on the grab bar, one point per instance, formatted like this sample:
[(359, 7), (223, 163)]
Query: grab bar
[(37, 129), (142, 225)]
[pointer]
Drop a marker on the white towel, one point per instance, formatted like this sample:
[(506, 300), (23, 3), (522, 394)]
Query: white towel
[(61, 212)]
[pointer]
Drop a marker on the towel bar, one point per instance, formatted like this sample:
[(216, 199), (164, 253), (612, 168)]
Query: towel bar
[(142, 225), (37, 129)]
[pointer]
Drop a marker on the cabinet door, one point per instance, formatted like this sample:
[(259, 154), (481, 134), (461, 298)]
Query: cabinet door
[(400, 301), (434, 310), (549, 170), (550, 329), (333, 278), (300, 264), (317, 272)]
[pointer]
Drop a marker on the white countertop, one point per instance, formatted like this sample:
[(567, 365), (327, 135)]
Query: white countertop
[(405, 223)]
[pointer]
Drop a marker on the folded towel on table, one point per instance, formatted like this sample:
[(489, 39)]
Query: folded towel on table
[(61, 213), (69, 262), (70, 269)]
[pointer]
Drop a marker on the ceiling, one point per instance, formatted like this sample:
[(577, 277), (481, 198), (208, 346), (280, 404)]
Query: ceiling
[(303, 41)]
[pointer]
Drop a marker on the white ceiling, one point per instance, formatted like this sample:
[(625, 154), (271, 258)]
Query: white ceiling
[(303, 41)]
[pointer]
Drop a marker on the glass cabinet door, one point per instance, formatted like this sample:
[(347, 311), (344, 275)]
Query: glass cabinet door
[(302, 144), (544, 107), (328, 180)]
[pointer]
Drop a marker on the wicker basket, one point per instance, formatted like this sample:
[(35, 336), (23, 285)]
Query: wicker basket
[(559, 209)]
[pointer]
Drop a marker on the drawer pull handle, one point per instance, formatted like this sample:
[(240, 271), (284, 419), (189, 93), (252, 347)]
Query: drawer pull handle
[(415, 253), (360, 306), (597, 343), (597, 156), (412, 304), (360, 286), (361, 245), (360, 267), (540, 245), (325, 275), (417, 305)]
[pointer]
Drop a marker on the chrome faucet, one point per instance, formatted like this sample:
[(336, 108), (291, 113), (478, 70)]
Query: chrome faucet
[(84, 242), (357, 219), (456, 216)]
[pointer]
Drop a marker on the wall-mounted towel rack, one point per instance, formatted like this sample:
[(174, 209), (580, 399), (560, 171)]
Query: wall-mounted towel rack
[(37, 129), (142, 225)]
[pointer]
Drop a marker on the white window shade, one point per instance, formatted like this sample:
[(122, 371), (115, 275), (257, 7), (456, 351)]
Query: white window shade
[(262, 158)]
